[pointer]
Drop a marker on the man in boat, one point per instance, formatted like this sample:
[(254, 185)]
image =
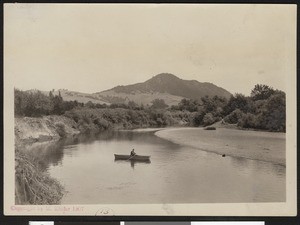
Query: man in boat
[(132, 153)]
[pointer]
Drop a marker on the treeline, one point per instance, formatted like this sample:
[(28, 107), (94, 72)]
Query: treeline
[(93, 120), (36, 103), (264, 109)]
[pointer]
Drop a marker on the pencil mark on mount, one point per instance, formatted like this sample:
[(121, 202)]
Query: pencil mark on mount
[(104, 212)]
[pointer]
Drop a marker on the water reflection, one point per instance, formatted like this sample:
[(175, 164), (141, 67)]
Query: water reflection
[(132, 162), (51, 153), (47, 153)]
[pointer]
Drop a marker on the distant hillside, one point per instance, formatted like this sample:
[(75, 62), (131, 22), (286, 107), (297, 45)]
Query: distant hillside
[(164, 86), (80, 97), (74, 95)]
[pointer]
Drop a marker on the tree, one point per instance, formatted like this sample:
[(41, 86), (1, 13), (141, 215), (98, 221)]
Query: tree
[(132, 105), (198, 118), (234, 116), (19, 102), (36, 103), (274, 115), (238, 101), (90, 104), (208, 119), (208, 104), (42, 104), (261, 92), (158, 104), (214, 105), (188, 104), (51, 96), (31, 103), (57, 102), (248, 120)]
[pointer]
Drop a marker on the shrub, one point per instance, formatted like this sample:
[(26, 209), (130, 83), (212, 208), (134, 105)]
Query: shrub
[(248, 120), (234, 116), (208, 119), (210, 128), (197, 119), (60, 129)]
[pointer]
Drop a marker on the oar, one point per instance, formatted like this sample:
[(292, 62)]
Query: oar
[(130, 157)]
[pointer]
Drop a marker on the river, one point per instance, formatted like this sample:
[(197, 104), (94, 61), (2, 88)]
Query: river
[(85, 166)]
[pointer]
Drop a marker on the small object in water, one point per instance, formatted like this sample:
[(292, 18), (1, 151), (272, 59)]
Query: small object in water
[(210, 128), (223, 155)]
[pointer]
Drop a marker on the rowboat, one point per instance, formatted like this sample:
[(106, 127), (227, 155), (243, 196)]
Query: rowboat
[(133, 158)]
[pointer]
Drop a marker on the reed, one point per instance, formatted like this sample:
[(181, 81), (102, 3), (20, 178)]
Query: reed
[(33, 186)]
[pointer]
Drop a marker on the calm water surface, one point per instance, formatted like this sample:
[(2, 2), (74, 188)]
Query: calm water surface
[(176, 174)]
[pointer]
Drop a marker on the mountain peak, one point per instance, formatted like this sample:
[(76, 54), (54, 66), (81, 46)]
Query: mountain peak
[(163, 79), (166, 84), (165, 76)]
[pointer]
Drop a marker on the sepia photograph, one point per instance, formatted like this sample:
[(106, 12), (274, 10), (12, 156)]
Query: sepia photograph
[(150, 109)]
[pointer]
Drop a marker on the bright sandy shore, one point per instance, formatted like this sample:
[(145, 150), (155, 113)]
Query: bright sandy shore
[(256, 145)]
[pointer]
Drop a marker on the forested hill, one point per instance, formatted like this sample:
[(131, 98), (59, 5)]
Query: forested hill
[(169, 83), (171, 88)]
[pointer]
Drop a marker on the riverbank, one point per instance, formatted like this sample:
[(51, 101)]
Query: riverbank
[(33, 185), (46, 128), (255, 145), (143, 130)]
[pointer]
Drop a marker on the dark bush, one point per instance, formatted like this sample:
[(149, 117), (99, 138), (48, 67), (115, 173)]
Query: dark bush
[(60, 129)]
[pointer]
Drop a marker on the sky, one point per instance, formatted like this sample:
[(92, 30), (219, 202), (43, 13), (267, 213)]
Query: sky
[(94, 47)]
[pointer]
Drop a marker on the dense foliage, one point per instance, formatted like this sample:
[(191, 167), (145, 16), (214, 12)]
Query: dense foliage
[(263, 109), (91, 120), (35, 103)]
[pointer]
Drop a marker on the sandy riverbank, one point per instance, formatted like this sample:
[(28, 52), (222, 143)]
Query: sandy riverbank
[(143, 130), (256, 145)]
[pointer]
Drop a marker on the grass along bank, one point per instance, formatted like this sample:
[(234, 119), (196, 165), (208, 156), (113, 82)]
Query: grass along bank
[(33, 185)]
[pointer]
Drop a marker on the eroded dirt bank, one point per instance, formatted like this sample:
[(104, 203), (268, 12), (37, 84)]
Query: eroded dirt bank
[(33, 129)]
